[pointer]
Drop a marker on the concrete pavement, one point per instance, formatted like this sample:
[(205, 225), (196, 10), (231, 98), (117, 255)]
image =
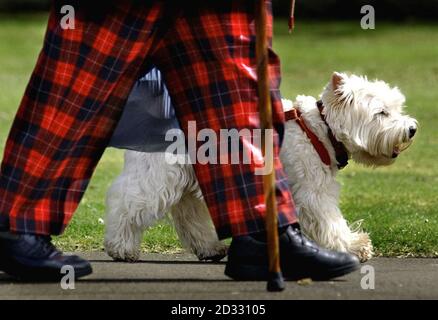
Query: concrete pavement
[(181, 276)]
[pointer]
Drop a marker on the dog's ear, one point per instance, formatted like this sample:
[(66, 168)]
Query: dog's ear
[(337, 80), (341, 91)]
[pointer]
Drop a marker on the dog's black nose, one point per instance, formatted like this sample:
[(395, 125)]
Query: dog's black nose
[(412, 131)]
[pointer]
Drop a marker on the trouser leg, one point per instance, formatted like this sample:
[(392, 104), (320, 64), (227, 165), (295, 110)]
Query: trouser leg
[(71, 106), (208, 62)]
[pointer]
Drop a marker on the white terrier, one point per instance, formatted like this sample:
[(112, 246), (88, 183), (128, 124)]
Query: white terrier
[(356, 118)]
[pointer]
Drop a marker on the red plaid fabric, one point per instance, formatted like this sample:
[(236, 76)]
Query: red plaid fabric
[(206, 52)]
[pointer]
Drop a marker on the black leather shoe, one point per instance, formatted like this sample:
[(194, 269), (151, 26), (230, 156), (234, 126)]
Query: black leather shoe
[(34, 258), (299, 257)]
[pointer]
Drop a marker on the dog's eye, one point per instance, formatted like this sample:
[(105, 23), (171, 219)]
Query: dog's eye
[(383, 113)]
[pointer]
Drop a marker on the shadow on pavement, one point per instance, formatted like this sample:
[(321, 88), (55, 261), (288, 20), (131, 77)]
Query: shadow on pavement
[(160, 262)]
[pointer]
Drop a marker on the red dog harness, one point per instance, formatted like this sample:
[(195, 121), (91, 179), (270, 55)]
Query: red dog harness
[(340, 150)]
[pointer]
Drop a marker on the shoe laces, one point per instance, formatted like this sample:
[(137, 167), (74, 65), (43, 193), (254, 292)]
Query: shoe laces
[(305, 240), (42, 247), (47, 245)]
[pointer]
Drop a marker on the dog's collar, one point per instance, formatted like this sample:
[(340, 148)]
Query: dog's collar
[(340, 150)]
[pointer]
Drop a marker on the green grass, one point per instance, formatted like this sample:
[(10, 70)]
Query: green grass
[(398, 203)]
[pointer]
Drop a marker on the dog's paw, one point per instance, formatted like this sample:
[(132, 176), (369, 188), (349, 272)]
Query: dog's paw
[(215, 253), (362, 247), (120, 253)]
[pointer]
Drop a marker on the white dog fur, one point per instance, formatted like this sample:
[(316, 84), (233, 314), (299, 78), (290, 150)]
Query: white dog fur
[(366, 116)]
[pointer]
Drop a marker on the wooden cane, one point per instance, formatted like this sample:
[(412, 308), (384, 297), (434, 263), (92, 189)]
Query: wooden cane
[(275, 281)]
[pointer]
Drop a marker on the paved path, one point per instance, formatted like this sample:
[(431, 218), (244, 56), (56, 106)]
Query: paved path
[(182, 277)]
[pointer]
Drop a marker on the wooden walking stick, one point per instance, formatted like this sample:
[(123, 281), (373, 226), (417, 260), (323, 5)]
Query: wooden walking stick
[(275, 281)]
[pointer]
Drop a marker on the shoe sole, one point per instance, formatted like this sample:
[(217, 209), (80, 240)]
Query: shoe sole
[(261, 273), (40, 275)]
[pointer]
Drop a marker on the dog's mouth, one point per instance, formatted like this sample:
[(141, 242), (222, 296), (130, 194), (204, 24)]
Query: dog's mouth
[(400, 148), (395, 152)]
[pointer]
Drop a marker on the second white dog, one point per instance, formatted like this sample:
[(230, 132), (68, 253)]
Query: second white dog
[(365, 116)]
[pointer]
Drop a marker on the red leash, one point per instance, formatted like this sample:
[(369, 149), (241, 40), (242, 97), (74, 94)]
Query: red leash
[(295, 114), (341, 152), (292, 16)]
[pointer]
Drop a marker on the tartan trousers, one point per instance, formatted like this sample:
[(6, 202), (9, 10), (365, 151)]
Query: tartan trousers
[(83, 76)]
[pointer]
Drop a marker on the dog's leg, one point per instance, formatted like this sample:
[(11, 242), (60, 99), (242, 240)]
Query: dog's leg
[(195, 229), (316, 195), (322, 220), (139, 197), (360, 243), (122, 235)]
